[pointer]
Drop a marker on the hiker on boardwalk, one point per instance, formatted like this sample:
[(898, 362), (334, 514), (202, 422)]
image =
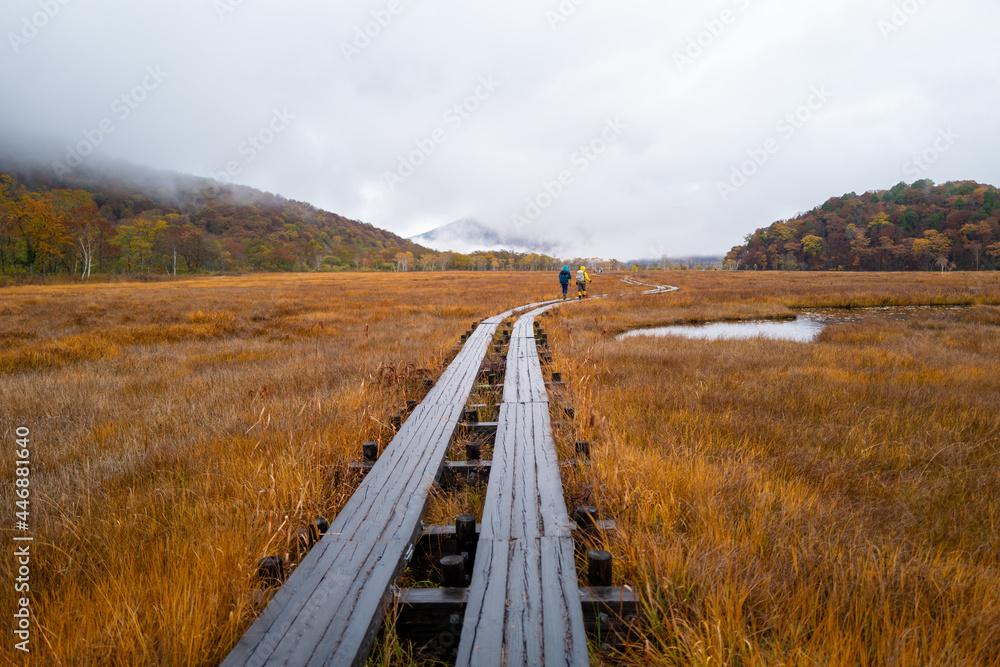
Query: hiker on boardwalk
[(564, 277), (581, 283)]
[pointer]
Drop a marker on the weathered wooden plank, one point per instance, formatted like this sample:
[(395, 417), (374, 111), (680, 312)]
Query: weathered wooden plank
[(335, 576), (484, 621), (552, 506), (523, 606), (565, 639), (331, 607), (523, 609)]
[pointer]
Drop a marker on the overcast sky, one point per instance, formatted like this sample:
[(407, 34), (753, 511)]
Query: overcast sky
[(642, 108)]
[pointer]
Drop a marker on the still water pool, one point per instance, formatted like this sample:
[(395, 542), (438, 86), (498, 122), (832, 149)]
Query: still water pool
[(803, 329)]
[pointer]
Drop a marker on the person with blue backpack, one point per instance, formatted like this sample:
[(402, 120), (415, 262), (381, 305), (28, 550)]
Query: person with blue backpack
[(564, 277)]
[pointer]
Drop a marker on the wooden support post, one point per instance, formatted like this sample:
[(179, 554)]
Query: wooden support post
[(473, 451), (470, 416), (411, 405), (570, 412), (586, 520), (465, 534), (271, 570), (583, 449), (491, 378), (318, 528), (599, 568), (303, 540), (556, 376), (428, 383), (453, 572), (396, 421), (370, 451), (463, 337)]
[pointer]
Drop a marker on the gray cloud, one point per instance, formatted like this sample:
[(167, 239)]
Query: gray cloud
[(354, 105)]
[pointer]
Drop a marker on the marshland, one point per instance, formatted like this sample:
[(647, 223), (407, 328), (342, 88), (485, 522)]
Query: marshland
[(831, 502)]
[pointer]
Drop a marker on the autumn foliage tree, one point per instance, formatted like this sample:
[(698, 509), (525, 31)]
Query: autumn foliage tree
[(915, 227)]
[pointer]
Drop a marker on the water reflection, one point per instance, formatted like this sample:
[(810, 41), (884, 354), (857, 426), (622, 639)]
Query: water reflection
[(804, 329), (801, 330)]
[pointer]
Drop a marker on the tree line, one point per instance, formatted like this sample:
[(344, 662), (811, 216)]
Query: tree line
[(115, 227), (922, 226)]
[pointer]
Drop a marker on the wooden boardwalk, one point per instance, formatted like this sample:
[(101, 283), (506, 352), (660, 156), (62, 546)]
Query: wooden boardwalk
[(330, 609), (524, 603)]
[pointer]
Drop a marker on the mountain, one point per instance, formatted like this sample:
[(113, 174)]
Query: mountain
[(209, 225), (469, 235), (921, 226)]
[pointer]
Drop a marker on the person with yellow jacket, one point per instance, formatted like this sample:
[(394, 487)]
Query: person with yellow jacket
[(581, 283)]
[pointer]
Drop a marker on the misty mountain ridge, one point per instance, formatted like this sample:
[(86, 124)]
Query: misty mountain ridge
[(470, 235), (236, 227)]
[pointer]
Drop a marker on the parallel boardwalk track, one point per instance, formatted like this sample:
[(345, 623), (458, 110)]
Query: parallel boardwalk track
[(523, 604)]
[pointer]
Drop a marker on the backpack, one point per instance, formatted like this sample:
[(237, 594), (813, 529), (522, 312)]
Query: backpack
[(581, 276)]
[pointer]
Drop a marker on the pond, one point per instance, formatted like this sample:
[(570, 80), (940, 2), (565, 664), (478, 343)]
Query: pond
[(803, 329)]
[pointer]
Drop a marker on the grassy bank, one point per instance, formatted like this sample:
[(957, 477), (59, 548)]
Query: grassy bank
[(787, 503)]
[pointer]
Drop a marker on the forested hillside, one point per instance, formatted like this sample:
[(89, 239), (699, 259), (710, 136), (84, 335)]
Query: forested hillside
[(907, 228), (140, 221)]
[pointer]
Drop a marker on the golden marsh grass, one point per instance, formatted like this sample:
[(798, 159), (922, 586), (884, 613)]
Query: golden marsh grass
[(182, 430), (779, 503), (786, 503)]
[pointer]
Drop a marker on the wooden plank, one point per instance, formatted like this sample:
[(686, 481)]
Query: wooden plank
[(523, 606), (565, 639), (347, 560), (331, 607), (484, 621)]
